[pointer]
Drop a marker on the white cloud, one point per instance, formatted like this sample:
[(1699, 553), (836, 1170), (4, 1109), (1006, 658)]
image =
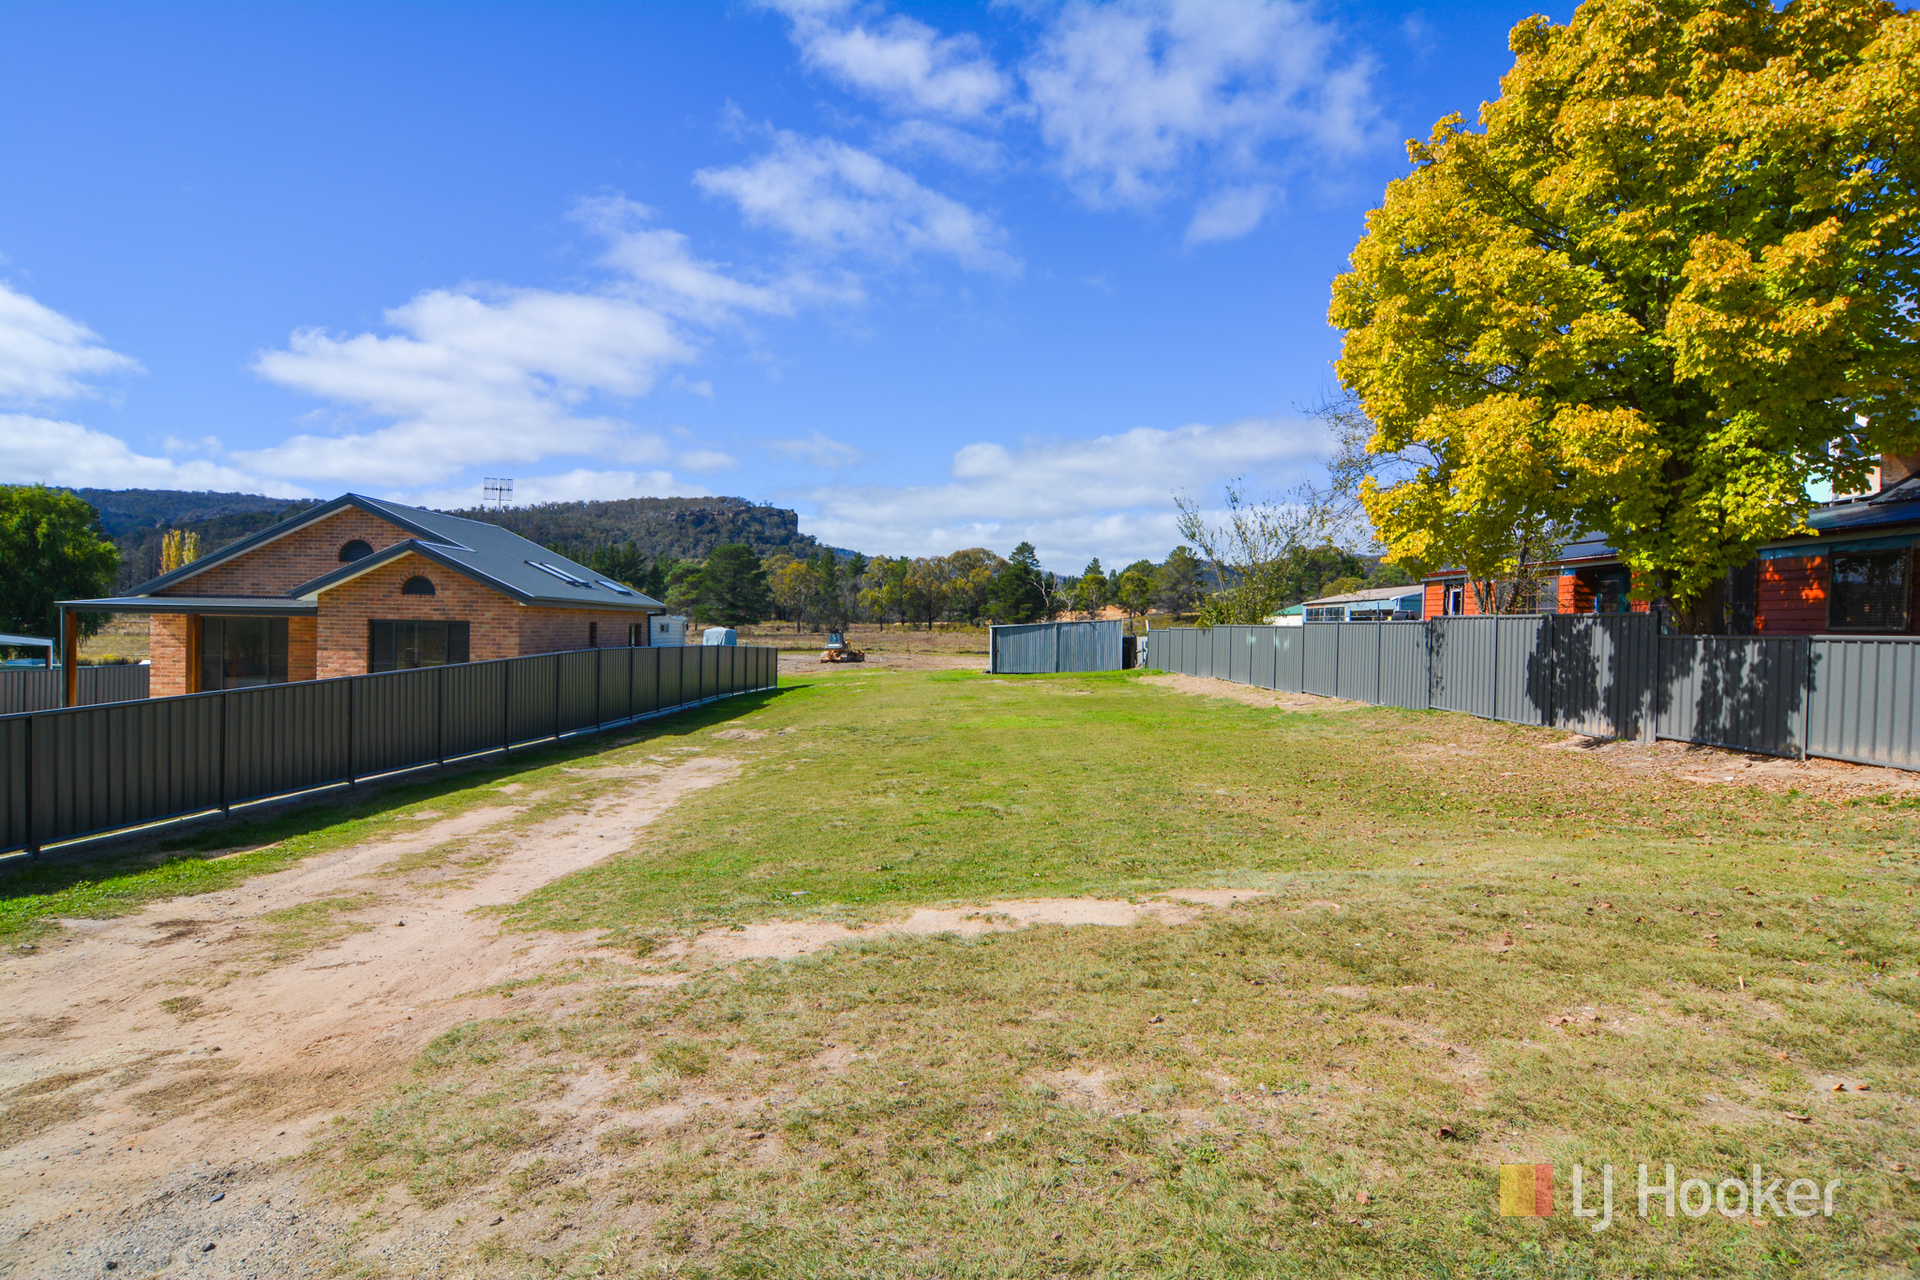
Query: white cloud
[(1230, 214), (707, 460), (817, 450), (664, 270), (1111, 496), (69, 454), (905, 64), (47, 356), (839, 199), (1130, 95), (472, 378)]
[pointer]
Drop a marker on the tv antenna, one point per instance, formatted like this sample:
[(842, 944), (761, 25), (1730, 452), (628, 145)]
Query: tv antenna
[(497, 492)]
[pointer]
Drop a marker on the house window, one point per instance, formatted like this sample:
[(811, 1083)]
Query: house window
[(358, 549), (403, 643), (1612, 589), (417, 586), (593, 635), (240, 653), (1456, 601), (1868, 591)]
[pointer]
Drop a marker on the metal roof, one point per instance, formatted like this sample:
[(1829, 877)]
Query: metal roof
[(255, 606), (1371, 593), (26, 642), (485, 552), (1896, 504)]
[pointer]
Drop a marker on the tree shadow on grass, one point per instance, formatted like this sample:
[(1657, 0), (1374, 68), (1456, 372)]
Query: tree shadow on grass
[(204, 853)]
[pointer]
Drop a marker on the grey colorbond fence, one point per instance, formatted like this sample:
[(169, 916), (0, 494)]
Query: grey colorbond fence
[(1041, 648), (90, 770), (1843, 697), (44, 688)]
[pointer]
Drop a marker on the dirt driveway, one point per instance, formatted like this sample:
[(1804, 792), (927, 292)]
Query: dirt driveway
[(157, 1069)]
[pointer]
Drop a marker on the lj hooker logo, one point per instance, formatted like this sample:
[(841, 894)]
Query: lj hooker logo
[(1526, 1191)]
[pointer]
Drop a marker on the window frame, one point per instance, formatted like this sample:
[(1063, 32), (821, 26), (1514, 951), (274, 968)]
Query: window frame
[(451, 630), (1904, 557)]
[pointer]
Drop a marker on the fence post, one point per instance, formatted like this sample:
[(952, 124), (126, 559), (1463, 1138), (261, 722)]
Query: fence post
[(632, 656), (599, 682), (33, 835), (1806, 700), (557, 667), (353, 697), (1379, 655), (506, 707), (440, 716), (226, 731)]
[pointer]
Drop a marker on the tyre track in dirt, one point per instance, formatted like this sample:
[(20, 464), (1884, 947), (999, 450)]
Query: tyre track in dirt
[(122, 1118)]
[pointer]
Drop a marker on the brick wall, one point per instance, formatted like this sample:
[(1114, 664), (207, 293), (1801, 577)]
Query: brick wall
[(1574, 595), (301, 556), (345, 610), (555, 630), (500, 627), (168, 641), (1791, 596), (301, 648)]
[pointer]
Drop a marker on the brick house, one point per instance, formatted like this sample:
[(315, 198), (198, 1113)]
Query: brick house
[(358, 585), (1854, 572), (1587, 577)]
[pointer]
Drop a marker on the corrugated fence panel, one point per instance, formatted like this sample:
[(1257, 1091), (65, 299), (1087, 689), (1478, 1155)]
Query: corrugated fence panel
[(24, 689), (1357, 669), (1266, 655), (1322, 664), (99, 768), (579, 690), (1290, 658), (646, 680), (1604, 668), (1039, 648), (13, 782), (286, 737), (101, 685), (475, 703), (1022, 649), (1865, 703), (1404, 680), (85, 770), (673, 662), (1732, 691), (396, 720), (1239, 654), (616, 685), (1523, 657), (531, 689), (1462, 662)]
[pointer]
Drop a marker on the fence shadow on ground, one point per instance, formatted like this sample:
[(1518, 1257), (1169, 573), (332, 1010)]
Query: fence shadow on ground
[(1843, 697), (269, 822)]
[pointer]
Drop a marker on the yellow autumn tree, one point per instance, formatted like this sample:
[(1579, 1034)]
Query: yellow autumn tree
[(178, 548), (1668, 282)]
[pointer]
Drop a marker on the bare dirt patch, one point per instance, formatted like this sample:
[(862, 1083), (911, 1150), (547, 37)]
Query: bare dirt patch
[(786, 939), (1249, 694), (1714, 766), (152, 1061), (796, 664)]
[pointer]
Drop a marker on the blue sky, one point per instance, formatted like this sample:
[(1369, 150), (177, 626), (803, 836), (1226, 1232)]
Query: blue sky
[(935, 276)]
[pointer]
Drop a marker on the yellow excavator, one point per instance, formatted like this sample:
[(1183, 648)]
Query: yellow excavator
[(838, 650)]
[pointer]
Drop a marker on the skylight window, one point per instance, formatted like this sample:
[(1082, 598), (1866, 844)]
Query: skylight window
[(614, 586), (561, 574)]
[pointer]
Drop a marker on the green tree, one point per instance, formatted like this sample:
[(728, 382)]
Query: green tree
[(733, 587), (1671, 281), (1133, 588), (1176, 583), (51, 548), (1090, 589), (1018, 593)]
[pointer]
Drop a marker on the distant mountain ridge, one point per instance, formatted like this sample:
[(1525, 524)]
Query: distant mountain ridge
[(672, 528), (678, 528)]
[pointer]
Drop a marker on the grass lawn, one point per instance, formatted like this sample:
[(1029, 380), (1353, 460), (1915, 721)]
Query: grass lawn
[(1473, 951)]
